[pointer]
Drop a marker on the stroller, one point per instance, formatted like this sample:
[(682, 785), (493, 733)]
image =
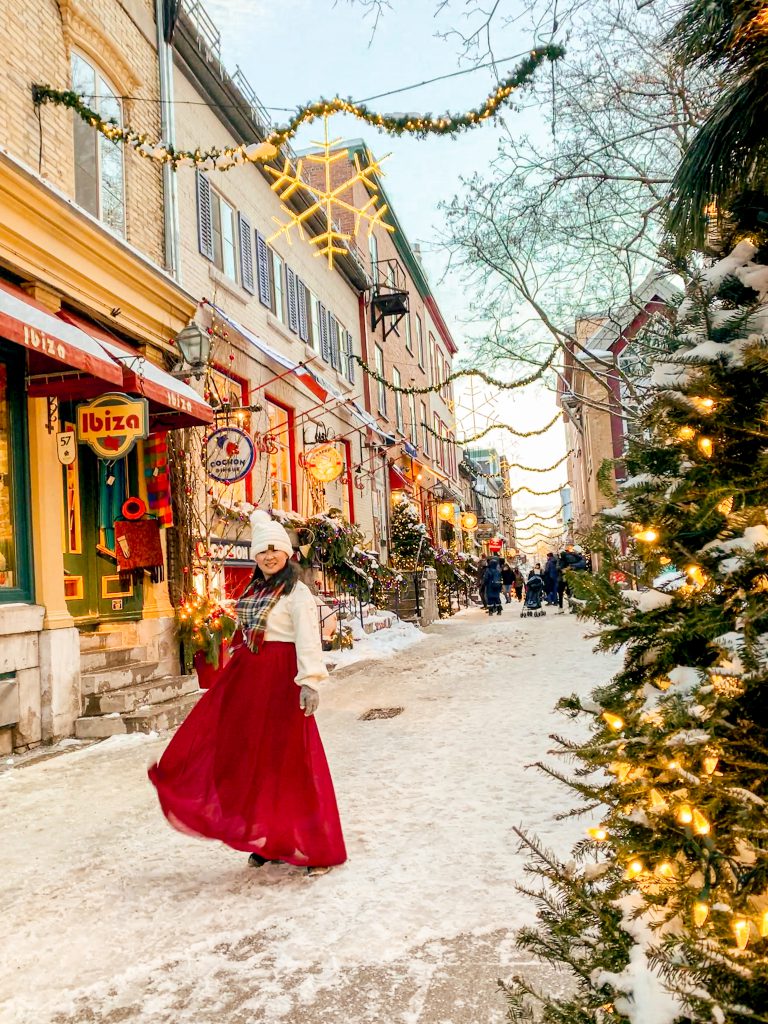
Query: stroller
[(534, 589)]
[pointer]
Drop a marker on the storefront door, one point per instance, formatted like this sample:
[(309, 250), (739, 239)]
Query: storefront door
[(93, 493)]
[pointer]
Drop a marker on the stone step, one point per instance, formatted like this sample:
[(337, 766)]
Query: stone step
[(156, 718), (118, 678), (154, 691), (110, 657), (109, 637)]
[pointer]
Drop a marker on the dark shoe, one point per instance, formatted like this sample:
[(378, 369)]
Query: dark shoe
[(256, 861)]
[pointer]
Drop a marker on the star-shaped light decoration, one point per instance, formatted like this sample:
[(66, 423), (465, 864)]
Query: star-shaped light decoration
[(328, 199)]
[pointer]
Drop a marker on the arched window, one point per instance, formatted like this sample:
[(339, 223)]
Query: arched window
[(99, 167)]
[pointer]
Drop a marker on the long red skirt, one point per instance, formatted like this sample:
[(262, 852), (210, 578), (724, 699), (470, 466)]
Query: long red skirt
[(248, 767)]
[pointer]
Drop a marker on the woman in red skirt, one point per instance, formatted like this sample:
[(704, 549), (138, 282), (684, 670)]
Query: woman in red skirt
[(247, 765)]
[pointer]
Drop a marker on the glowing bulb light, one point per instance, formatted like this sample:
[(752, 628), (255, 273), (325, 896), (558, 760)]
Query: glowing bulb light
[(704, 405), (709, 764), (665, 869), (598, 833), (700, 913), (741, 929), (649, 536), (686, 433), (634, 868), (684, 814), (614, 722), (696, 574), (700, 824), (705, 446)]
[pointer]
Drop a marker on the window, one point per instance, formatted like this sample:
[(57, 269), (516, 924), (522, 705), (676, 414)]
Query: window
[(224, 245), (419, 343), (314, 321), (412, 413), (408, 338), (99, 167), (424, 429), (438, 442), (280, 462), (15, 560), (397, 380), (434, 366), (382, 391), (343, 350), (278, 289), (452, 452)]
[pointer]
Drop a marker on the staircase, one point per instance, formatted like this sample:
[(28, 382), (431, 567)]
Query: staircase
[(127, 686)]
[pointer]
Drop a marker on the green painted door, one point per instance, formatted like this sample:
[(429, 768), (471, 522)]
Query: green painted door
[(93, 493)]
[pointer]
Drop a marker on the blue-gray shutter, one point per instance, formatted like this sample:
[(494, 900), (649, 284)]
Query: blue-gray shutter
[(351, 364), (325, 344), (293, 308), (204, 216), (333, 334), (262, 269), (246, 253), (301, 297)]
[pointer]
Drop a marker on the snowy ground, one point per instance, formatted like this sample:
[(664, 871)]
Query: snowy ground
[(111, 916)]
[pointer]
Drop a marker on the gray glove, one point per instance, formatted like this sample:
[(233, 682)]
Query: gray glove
[(308, 700)]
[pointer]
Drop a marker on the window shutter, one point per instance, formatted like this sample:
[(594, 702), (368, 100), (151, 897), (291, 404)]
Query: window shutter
[(325, 345), (301, 303), (262, 269), (350, 360), (204, 216), (246, 253), (333, 333), (293, 310)]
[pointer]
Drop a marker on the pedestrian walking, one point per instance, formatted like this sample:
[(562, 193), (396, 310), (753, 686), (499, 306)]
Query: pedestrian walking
[(492, 585), (507, 581), (247, 766), (519, 584), (482, 565), (549, 575), (571, 558)]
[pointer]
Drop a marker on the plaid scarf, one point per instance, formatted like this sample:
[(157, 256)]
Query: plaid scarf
[(253, 611)]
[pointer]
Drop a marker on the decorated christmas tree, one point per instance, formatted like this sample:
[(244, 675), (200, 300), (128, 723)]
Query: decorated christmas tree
[(661, 915), (410, 544)]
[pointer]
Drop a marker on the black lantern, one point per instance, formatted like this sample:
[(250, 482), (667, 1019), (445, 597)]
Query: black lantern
[(194, 344)]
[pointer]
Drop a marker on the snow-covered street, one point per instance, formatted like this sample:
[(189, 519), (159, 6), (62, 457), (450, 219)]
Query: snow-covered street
[(111, 916)]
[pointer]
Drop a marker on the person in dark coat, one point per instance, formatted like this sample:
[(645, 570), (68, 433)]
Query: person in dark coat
[(507, 581), (482, 565), (549, 576), (492, 585), (519, 584), (571, 558)]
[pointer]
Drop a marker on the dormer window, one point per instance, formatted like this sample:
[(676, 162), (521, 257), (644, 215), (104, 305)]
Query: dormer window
[(99, 165)]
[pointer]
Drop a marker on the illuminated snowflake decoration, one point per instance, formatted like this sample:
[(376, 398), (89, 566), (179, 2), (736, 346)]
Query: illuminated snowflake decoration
[(331, 242)]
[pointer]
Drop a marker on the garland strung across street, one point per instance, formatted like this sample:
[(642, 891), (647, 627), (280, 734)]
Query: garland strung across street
[(457, 375), (503, 426), (223, 159), (538, 517), (539, 494), (526, 469)]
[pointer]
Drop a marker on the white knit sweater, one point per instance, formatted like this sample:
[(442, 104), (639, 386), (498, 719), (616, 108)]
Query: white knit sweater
[(294, 620)]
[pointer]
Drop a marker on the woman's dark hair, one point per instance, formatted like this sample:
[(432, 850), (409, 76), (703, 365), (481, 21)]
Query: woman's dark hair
[(288, 576)]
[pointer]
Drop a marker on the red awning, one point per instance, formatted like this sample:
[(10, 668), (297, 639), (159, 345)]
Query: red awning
[(63, 359), (398, 481), (172, 403)]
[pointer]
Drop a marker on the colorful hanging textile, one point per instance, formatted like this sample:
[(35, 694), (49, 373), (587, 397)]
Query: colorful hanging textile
[(158, 478), (138, 547), (112, 494)]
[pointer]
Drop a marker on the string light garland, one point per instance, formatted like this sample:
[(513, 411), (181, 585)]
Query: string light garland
[(458, 375), (505, 426), (224, 159), (535, 515), (539, 494)]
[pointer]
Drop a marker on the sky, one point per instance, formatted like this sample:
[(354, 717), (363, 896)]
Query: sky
[(301, 50)]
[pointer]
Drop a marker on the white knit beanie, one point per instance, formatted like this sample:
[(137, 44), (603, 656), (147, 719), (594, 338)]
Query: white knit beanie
[(265, 533)]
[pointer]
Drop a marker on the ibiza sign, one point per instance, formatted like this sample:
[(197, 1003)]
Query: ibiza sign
[(229, 454), (112, 424)]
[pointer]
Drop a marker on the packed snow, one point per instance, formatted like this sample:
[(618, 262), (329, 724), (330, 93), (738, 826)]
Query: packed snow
[(111, 915)]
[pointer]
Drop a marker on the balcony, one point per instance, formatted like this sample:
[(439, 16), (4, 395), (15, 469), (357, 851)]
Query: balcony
[(389, 296)]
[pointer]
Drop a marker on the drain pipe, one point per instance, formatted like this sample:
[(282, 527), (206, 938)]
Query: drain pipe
[(168, 135)]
